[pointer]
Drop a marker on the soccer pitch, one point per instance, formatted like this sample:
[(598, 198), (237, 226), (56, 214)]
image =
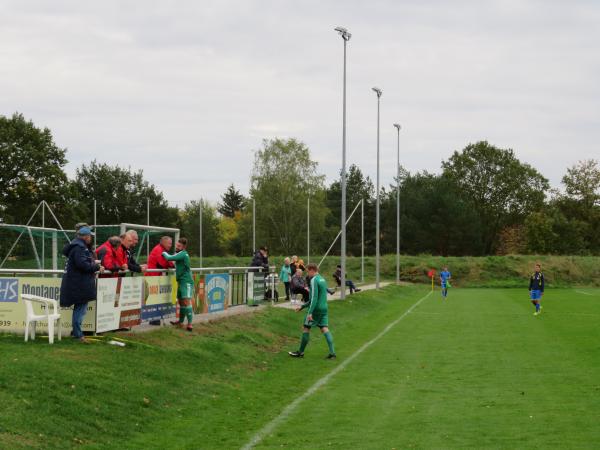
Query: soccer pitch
[(478, 370), (475, 371)]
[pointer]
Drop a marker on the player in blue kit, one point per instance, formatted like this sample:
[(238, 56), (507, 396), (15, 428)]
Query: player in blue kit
[(445, 277), (536, 288)]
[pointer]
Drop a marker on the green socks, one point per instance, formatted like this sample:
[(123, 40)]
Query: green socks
[(186, 311), (329, 338), (304, 342)]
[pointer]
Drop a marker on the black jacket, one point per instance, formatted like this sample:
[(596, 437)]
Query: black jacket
[(132, 264), (260, 261), (79, 281), (536, 282)]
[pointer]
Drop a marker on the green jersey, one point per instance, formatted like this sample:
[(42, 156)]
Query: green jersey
[(183, 272), (318, 295)]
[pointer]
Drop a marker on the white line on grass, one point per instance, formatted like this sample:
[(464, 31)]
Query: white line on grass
[(583, 292), (269, 427)]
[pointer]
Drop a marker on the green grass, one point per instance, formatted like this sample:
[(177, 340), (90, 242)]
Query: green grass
[(476, 371), (485, 271)]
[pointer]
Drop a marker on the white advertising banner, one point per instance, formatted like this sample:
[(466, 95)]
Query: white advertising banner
[(119, 303)]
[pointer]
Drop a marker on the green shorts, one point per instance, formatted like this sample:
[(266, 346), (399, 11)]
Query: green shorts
[(320, 319), (185, 290)]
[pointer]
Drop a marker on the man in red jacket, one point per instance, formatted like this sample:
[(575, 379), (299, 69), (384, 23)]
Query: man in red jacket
[(112, 257), (156, 260)]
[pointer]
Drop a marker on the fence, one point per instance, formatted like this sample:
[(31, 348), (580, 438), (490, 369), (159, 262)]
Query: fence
[(26, 246), (131, 299)]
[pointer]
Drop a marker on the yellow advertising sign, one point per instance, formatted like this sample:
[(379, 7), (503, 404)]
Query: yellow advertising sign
[(12, 306)]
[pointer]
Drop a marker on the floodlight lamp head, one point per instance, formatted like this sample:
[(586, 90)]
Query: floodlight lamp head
[(397, 125), (344, 33), (377, 91)]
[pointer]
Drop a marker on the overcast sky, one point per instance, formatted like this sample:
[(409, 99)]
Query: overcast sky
[(188, 90)]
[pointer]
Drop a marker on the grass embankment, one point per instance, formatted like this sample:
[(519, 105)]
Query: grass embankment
[(467, 271)]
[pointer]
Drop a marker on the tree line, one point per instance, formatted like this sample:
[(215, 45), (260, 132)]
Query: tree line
[(484, 201)]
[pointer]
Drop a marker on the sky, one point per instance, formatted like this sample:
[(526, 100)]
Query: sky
[(188, 90)]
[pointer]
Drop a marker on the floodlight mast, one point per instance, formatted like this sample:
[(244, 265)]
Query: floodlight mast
[(397, 126), (378, 91), (345, 34)]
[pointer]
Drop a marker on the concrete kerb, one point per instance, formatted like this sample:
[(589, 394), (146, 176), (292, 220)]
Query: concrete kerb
[(205, 318), (337, 295)]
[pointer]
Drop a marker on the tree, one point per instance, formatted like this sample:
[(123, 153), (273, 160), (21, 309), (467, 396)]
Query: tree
[(582, 183), (358, 187), (581, 203), (435, 216), (503, 190), (121, 195), (232, 201), (283, 178), (31, 170), (229, 232), (189, 224)]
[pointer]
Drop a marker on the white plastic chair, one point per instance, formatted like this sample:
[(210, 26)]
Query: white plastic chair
[(33, 318)]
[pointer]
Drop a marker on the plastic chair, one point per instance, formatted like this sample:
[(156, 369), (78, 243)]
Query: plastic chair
[(33, 318)]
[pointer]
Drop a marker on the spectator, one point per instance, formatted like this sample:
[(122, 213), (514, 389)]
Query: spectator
[(285, 275), (261, 259), (156, 260), (300, 265), (102, 249), (78, 286), (294, 264), (113, 258), (78, 226), (338, 279), (298, 285), (131, 242)]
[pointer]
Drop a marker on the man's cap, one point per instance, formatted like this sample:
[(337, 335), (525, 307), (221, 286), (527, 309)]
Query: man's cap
[(85, 231)]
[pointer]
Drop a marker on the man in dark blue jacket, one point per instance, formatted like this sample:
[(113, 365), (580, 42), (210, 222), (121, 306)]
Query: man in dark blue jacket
[(261, 259), (78, 285)]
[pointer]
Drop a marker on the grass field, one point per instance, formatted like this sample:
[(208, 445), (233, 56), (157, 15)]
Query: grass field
[(476, 371)]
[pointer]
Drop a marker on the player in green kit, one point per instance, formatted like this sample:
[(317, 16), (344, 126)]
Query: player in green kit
[(317, 312), (185, 282)]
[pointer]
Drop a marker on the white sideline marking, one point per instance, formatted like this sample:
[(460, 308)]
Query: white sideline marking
[(584, 293), (269, 427)]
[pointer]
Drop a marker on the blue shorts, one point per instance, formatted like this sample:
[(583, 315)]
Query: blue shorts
[(535, 295)]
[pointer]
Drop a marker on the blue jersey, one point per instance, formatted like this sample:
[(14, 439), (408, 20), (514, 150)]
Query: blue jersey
[(445, 276)]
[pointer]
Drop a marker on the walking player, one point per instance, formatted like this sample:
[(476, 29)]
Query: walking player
[(445, 277), (317, 312), (536, 288), (185, 282)]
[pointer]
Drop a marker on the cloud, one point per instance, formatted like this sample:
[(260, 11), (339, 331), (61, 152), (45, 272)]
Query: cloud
[(188, 90)]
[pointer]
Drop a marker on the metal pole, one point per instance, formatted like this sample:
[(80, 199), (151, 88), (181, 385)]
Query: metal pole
[(362, 240), (346, 37), (338, 235), (398, 208), (308, 231), (377, 250), (200, 230), (253, 225), (148, 223), (43, 236), (95, 224)]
